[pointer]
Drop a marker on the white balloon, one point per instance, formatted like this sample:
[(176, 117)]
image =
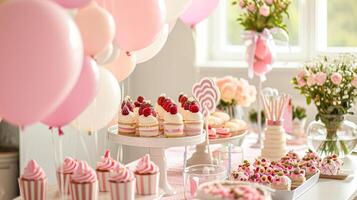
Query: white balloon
[(104, 107), (175, 8), (104, 56), (149, 52)]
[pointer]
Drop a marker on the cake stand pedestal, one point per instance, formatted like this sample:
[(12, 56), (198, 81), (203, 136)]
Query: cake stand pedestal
[(157, 147), (201, 156)]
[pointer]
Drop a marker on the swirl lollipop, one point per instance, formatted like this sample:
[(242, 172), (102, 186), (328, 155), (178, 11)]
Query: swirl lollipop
[(207, 94)]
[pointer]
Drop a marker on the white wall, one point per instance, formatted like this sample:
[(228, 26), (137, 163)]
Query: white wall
[(170, 72)]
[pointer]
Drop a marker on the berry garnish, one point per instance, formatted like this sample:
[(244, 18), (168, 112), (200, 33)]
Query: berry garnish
[(187, 105), (130, 106), (180, 96), (173, 109), (161, 100), (147, 111), (153, 112), (123, 104), (125, 111), (137, 104), (166, 105), (183, 99), (194, 108), (140, 99)]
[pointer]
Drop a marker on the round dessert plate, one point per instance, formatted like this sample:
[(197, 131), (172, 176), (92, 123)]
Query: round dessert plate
[(228, 139), (154, 142)]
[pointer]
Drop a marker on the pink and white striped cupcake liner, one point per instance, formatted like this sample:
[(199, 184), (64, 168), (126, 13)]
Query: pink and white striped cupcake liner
[(84, 191), (147, 184), (122, 191), (103, 177), (63, 181), (32, 190)]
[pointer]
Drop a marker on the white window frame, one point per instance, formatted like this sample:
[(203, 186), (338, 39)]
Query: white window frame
[(212, 51)]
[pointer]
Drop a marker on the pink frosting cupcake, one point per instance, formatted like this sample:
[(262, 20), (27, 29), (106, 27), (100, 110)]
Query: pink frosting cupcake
[(33, 182), (122, 184), (281, 182), (84, 184), (64, 173), (104, 168), (147, 177), (331, 165)]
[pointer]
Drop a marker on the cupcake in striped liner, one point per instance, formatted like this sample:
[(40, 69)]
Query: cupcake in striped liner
[(84, 183), (122, 184), (64, 173), (32, 182), (104, 168), (147, 177)]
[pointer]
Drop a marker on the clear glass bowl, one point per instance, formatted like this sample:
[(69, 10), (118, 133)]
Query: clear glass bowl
[(198, 174)]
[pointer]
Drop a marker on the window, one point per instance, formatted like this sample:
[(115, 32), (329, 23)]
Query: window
[(315, 27)]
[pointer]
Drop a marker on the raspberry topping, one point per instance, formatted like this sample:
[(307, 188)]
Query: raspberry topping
[(161, 100), (194, 108), (140, 99), (147, 111), (125, 111), (173, 109)]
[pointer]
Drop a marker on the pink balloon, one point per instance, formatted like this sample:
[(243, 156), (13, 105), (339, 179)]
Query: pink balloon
[(97, 28), (80, 97), (198, 11), (73, 3), (122, 66), (137, 22), (41, 58), (261, 48)]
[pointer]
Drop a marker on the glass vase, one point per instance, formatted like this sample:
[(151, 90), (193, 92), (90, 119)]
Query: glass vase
[(234, 111), (332, 134)]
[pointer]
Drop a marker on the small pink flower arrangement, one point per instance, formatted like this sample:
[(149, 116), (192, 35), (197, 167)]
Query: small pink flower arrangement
[(235, 92), (258, 15), (330, 82)]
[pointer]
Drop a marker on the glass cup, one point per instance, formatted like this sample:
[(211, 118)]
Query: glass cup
[(198, 174)]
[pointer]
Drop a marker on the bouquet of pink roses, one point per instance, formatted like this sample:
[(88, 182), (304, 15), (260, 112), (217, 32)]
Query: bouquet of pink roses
[(331, 83), (235, 92), (260, 19)]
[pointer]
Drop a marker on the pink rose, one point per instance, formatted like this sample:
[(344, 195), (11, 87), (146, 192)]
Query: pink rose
[(336, 78), (242, 3), (264, 11), (243, 99), (354, 81), (221, 81), (228, 92), (269, 2), (320, 78), (311, 80), (302, 73), (251, 7), (301, 82)]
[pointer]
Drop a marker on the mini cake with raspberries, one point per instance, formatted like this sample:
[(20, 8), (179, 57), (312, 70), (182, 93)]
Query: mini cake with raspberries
[(193, 119), (281, 182), (148, 123), (173, 121), (297, 177), (127, 119)]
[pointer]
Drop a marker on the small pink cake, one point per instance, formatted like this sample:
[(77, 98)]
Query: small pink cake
[(127, 119), (103, 170), (212, 134), (331, 165), (193, 119), (64, 173), (173, 122), (32, 182), (238, 176), (310, 171), (297, 177), (281, 182), (84, 183), (147, 176), (148, 123), (122, 184)]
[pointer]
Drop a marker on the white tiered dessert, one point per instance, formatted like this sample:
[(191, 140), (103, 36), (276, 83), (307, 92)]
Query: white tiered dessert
[(274, 142)]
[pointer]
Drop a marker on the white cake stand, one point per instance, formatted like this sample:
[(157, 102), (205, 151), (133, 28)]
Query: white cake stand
[(157, 147), (201, 156)]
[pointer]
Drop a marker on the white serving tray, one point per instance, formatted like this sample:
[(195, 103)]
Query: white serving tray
[(294, 194)]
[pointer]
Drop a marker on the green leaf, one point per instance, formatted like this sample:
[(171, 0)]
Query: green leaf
[(308, 100)]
